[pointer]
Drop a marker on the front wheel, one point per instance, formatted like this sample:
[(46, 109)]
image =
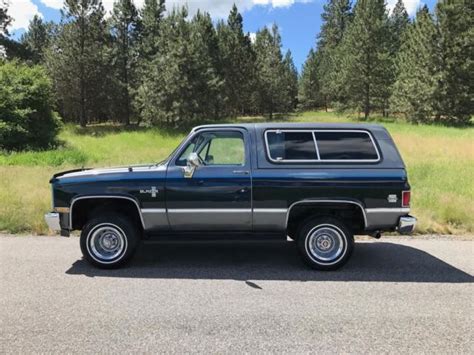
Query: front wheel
[(109, 241), (325, 243)]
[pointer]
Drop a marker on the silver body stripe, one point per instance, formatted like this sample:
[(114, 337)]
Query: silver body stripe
[(387, 210), (153, 210), (209, 210), (270, 210)]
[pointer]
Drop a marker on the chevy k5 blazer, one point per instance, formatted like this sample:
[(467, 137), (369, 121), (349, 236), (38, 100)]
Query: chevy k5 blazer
[(318, 184)]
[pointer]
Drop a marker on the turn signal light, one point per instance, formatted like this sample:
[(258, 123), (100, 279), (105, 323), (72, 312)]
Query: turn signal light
[(406, 195)]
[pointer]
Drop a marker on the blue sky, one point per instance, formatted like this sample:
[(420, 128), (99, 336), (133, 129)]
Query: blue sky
[(299, 20)]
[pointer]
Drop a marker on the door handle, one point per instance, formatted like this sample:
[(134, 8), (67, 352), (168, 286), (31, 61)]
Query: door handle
[(241, 172)]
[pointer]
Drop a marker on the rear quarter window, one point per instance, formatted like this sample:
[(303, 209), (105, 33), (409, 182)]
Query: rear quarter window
[(346, 146), (321, 146), (291, 146)]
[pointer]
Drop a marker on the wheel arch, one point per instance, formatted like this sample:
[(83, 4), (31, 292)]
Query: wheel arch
[(345, 209), (97, 202)]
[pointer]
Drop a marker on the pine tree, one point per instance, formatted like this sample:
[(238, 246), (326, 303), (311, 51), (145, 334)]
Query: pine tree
[(5, 19), (183, 85), (398, 22), (366, 70), (456, 53), (151, 17), (77, 62), (207, 82), (237, 63), (270, 92), (309, 91), (336, 18), (290, 82), (124, 26), (417, 80), (38, 38)]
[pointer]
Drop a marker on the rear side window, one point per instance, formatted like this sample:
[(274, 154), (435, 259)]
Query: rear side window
[(321, 146), (345, 146), (291, 145)]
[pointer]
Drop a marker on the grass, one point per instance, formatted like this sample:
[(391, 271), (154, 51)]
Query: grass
[(440, 163)]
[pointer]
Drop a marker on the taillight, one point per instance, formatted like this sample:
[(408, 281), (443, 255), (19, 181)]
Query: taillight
[(406, 195)]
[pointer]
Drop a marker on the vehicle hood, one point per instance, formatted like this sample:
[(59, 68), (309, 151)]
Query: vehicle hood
[(113, 173)]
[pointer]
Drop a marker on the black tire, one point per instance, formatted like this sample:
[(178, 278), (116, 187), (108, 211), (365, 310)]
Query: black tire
[(325, 243), (112, 236)]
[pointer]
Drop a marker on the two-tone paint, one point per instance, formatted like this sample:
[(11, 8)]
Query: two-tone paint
[(257, 196)]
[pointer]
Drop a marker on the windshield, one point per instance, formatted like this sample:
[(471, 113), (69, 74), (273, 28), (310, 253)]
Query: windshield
[(164, 161)]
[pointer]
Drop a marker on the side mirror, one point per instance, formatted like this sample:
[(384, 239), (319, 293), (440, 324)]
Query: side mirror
[(193, 161)]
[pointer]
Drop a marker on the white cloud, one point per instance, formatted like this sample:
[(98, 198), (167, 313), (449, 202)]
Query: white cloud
[(253, 37), (410, 5), (217, 8), (54, 4), (275, 3), (22, 11)]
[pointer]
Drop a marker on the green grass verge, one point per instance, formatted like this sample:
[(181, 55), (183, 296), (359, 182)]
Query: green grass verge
[(440, 163)]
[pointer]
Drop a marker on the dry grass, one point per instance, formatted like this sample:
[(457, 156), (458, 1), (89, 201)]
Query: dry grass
[(440, 162)]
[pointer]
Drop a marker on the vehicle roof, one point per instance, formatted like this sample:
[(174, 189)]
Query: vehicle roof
[(282, 125)]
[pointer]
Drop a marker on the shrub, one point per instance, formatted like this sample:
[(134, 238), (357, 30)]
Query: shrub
[(27, 120)]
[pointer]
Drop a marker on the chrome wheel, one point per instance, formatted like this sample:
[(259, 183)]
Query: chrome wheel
[(325, 243), (106, 243)]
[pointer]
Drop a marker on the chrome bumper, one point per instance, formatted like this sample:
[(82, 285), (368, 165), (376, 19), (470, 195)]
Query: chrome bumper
[(52, 220), (406, 225)]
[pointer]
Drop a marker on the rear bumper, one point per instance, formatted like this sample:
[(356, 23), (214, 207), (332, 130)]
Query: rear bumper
[(406, 225), (52, 220)]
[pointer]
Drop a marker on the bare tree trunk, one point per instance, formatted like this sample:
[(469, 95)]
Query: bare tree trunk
[(125, 75), (367, 102), (83, 118)]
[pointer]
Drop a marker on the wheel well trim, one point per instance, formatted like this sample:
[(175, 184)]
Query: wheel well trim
[(91, 197), (358, 204)]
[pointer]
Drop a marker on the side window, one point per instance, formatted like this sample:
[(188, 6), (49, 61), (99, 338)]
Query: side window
[(321, 146), (291, 145), (216, 148), (345, 146)]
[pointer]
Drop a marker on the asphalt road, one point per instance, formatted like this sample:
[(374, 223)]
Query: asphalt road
[(395, 295)]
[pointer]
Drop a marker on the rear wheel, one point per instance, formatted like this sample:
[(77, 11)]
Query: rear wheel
[(109, 241), (325, 243)]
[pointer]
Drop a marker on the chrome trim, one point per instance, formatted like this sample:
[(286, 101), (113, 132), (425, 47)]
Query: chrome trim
[(197, 130), (319, 160), (52, 220), (153, 210), (316, 146), (95, 253), (326, 201), (74, 200), (341, 251), (209, 210), (52, 197), (387, 210), (270, 210), (406, 225)]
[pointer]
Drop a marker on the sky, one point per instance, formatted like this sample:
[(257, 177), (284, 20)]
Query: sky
[(299, 20)]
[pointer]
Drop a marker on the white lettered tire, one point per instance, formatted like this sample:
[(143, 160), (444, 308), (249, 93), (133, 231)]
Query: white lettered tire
[(109, 241), (325, 243)]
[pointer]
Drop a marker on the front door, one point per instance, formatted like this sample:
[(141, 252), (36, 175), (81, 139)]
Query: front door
[(216, 196)]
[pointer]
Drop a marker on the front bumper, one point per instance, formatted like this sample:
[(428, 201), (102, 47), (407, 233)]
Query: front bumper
[(406, 225), (52, 220)]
